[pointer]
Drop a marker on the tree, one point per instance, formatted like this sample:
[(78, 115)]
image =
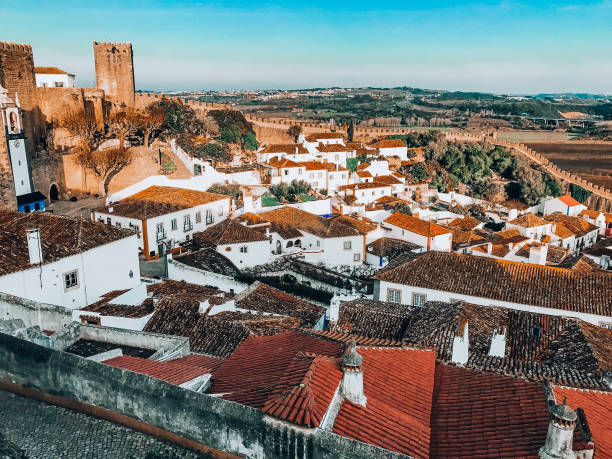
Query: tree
[(179, 118), (205, 150), (579, 193), (209, 126), (150, 121), (105, 164), (82, 127), (250, 141), (350, 133), (552, 186), (419, 172), (294, 131), (280, 191), (403, 209), (229, 134), (230, 189)]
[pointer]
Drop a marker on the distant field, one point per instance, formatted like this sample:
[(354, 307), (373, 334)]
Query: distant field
[(593, 162), (534, 136)]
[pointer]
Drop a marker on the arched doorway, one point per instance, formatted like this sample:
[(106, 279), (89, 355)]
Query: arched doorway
[(53, 193)]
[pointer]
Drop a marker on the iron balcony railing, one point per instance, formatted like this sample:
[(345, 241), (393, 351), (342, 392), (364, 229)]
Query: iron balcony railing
[(187, 226)]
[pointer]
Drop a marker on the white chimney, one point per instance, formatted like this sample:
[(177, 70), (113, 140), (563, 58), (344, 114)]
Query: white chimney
[(334, 309), (489, 248), (560, 433), (247, 200), (204, 305), (498, 344), (352, 378), (110, 210), (461, 344), (538, 254), (512, 214), (268, 231), (34, 246)]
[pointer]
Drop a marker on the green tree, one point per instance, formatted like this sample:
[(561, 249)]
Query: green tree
[(179, 118), (350, 133), (294, 131), (230, 189), (419, 172), (552, 187), (229, 134), (250, 141), (403, 209), (579, 193), (280, 191)]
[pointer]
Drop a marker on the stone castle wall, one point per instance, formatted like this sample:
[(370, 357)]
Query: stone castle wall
[(115, 71)]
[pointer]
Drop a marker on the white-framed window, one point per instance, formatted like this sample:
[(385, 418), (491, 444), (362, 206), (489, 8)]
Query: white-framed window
[(209, 217), (607, 325), (320, 175), (160, 227), (394, 295), (318, 243), (300, 171), (71, 280), (418, 299), (311, 175), (244, 249), (174, 224), (198, 216), (220, 211), (356, 257), (187, 226), (347, 245)]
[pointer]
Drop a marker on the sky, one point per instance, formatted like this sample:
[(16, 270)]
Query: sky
[(501, 46)]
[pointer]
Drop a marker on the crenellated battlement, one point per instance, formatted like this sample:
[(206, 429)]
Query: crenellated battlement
[(15, 46), (116, 44)]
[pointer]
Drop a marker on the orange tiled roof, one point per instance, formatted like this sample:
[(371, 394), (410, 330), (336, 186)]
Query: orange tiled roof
[(50, 71), (577, 225), (389, 143), (563, 231), (320, 166), (590, 213), (596, 405), (416, 225), (510, 281), (568, 200), (363, 186), (332, 147), (398, 384), (323, 136), (528, 220), (283, 163), (467, 223), (172, 371), (288, 148), (363, 165), (229, 232), (387, 180), (364, 174), (160, 200)]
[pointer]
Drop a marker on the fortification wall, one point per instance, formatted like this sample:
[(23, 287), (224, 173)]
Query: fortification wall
[(115, 71), (157, 407), (54, 102)]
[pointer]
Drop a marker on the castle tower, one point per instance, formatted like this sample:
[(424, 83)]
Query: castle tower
[(17, 76), (115, 71)]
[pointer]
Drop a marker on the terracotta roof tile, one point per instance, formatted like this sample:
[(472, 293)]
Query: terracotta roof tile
[(416, 225), (60, 237), (174, 372), (590, 213), (528, 220), (290, 149), (50, 71), (305, 221), (228, 231), (389, 143), (323, 136), (332, 148), (467, 223), (283, 163), (389, 247), (502, 280), (568, 200)]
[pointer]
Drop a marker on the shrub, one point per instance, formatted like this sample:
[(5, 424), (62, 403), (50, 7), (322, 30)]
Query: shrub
[(232, 190), (229, 134), (579, 193), (250, 141), (419, 172)]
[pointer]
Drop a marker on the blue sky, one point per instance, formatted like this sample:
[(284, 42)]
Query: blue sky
[(499, 46)]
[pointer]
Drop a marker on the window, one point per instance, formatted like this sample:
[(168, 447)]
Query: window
[(318, 243), (536, 332), (160, 227), (347, 245), (311, 175), (108, 220), (71, 280), (197, 169), (244, 249), (607, 325), (118, 224), (394, 295), (174, 224), (286, 172), (187, 226), (356, 257), (300, 171), (320, 175), (418, 299), (220, 211), (209, 217), (198, 217)]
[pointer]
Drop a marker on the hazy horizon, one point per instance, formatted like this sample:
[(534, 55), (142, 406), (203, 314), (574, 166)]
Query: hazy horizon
[(500, 47)]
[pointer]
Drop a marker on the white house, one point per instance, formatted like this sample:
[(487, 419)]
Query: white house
[(312, 141), (563, 204), (334, 153), (392, 147), (531, 226), (366, 193), (52, 77), (595, 217), (165, 217), (450, 277), (285, 170), (293, 151), (423, 233), (332, 241), (63, 261), (245, 247), (585, 234)]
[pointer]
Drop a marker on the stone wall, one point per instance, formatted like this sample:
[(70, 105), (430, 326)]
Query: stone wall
[(143, 401), (115, 71), (45, 316)]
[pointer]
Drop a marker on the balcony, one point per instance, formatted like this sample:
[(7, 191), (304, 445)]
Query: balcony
[(187, 226), (161, 235)]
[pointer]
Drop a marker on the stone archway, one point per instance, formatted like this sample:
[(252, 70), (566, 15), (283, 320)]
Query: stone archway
[(53, 193)]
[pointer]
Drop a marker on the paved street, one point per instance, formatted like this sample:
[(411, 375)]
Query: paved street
[(47, 431)]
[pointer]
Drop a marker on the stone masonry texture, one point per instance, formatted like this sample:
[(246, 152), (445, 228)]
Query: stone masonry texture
[(41, 430), (115, 71)]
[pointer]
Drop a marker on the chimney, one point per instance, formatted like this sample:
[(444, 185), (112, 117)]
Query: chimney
[(34, 246), (510, 246), (489, 248), (560, 433), (498, 344), (204, 305), (268, 231), (352, 378), (110, 210), (461, 343), (538, 254), (334, 309)]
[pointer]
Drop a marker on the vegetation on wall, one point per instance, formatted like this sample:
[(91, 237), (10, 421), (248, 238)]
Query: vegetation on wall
[(579, 193)]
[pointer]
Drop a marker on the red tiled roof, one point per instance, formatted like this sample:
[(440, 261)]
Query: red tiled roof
[(482, 415), (364, 174), (590, 213), (416, 225), (251, 374), (528, 220), (290, 148), (389, 143), (323, 136), (467, 223), (229, 232), (283, 163), (305, 390), (174, 372), (568, 200), (398, 384), (332, 148), (50, 71), (597, 406)]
